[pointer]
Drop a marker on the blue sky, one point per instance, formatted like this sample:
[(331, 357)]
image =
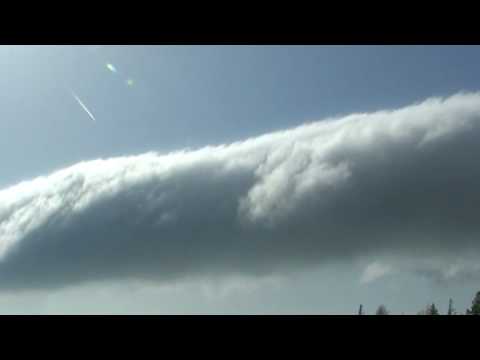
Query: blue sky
[(194, 96), (191, 96)]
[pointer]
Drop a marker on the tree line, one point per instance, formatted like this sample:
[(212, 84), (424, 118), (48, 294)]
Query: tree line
[(431, 309)]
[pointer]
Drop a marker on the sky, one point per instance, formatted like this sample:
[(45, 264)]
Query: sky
[(238, 179)]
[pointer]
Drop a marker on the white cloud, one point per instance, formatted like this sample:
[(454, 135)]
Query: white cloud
[(402, 182), (375, 271)]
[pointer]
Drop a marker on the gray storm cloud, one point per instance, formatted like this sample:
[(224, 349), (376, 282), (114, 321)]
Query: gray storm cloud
[(400, 182)]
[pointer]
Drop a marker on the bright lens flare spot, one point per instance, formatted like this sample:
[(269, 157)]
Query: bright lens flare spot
[(130, 82), (111, 68)]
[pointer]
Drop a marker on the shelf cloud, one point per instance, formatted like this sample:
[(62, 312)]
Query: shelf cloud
[(401, 182)]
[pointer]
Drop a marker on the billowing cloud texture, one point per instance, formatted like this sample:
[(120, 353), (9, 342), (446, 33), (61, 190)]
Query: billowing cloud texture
[(403, 182)]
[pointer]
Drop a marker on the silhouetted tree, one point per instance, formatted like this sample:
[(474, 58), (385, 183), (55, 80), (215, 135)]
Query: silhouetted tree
[(451, 310), (360, 310), (432, 310), (475, 309), (382, 310)]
